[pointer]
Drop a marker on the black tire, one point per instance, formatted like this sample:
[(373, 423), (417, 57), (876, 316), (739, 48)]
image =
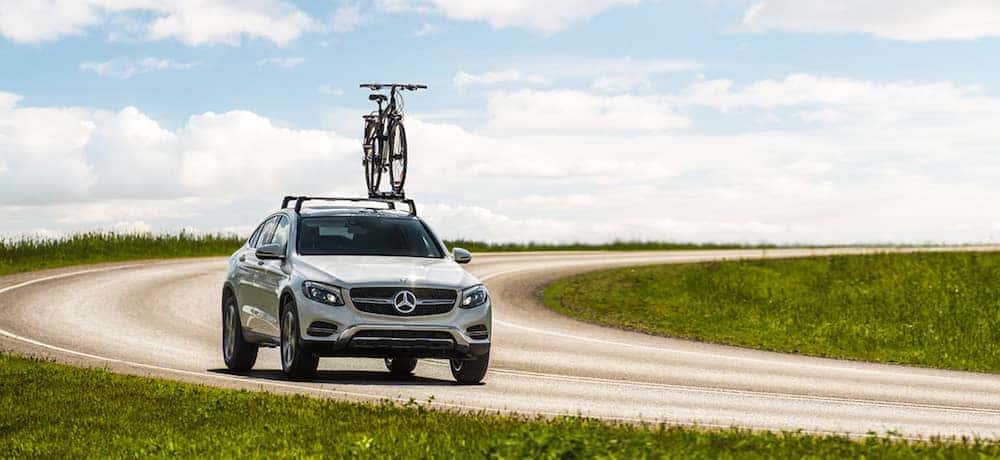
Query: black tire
[(397, 156), (373, 163), (401, 366), (472, 371), (238, 354), (297, 362)]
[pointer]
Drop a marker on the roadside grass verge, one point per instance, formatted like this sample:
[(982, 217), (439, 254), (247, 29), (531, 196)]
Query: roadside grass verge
[(52, 410), (98, 247), (926, 309)]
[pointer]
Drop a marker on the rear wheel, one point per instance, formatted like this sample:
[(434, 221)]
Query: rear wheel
[(470, 371), (397, 156), (297, 362), (401, 367), (238, 354), (372, 146)]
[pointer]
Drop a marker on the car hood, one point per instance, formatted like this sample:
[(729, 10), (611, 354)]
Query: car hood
[(386, 270)]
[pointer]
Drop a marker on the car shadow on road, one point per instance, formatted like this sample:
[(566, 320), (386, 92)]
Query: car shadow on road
[(342, 377)]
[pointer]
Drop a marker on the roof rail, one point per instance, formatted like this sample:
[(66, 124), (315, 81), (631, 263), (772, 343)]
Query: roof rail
[(389, 200)]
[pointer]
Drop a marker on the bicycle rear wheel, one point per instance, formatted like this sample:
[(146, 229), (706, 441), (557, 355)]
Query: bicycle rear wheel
[(397, 156), (372, 151)]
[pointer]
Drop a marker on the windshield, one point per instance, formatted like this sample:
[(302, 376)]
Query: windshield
[(366, 235)]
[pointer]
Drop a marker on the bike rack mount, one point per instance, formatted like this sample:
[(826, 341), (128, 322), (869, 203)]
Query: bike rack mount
[(389, 200)]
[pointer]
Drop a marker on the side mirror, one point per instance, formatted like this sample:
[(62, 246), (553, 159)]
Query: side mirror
[(461, 255), (271, 252)]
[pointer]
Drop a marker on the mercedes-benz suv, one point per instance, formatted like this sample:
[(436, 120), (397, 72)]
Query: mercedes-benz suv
[(353, 281)]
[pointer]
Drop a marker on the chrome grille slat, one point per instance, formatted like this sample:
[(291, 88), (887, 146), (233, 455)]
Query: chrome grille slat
[(379, 300)]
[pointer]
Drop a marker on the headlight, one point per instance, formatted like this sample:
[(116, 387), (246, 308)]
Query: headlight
[(323, 293), (474, 296)]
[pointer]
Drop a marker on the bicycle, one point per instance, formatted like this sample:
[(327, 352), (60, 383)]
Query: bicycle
[(385, 138)]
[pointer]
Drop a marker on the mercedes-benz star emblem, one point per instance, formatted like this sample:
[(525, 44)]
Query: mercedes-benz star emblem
[(405, 302)]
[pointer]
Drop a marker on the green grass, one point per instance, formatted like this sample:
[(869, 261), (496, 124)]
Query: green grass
[(54, 411), (927, 309), (97, 247), (88, 248)]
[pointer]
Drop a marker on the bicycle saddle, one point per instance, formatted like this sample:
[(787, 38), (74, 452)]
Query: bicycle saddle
[(377, 97)]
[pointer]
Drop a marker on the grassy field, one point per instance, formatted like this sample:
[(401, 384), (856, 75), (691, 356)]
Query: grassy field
[(927, 309), (87, 248), (51, 410)]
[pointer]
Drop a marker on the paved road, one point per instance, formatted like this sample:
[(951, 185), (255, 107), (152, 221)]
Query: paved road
[(162, 319)]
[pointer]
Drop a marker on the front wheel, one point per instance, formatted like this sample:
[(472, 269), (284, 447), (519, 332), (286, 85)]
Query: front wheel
[(397, 156), (372, 149), (297, 362), (470, 371)]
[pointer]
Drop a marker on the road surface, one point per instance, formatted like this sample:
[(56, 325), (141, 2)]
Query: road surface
[(162, 319)]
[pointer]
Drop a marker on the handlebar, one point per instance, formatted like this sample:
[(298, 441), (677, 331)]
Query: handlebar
[(406, 86)]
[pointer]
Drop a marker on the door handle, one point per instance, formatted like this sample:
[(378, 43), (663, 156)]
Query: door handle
[(243, 258), (260, 262)]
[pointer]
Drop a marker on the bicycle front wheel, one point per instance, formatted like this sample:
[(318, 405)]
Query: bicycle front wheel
[(397, 156), (372, 150)]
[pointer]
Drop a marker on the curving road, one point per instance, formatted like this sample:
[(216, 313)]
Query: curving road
[(162, 319)]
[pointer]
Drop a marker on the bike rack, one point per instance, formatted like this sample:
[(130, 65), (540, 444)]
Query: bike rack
[(388, 199)]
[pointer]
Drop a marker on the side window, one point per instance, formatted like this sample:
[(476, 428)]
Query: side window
[(252, 242), (281, 233), (268, 232)]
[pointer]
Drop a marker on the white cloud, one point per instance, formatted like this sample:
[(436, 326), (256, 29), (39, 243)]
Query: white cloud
[(621, 84), (620, 75), (192, 22), (571, 110), (329, 90), (286, 62), (910, 20), (849, 160), (426, 29), (464, 79), (546, 17), (346, 18), (56, 155), (127, 68)]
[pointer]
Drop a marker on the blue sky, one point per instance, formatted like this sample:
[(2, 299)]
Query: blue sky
[(590, 120)]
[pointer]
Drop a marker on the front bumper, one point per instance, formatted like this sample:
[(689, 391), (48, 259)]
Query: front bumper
[(361, 334)]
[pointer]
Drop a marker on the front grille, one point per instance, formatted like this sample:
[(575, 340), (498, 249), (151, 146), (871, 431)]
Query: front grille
[(404, 334), (379, 300), (407, 341)]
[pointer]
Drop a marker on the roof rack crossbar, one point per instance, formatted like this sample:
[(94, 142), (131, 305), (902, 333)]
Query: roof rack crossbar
[(390, 203)]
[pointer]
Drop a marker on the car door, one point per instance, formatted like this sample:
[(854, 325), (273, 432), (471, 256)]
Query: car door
[(256, 318), (243, 272), (271, 275)]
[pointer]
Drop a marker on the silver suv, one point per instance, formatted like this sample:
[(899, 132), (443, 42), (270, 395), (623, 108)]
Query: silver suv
[(353, 281)]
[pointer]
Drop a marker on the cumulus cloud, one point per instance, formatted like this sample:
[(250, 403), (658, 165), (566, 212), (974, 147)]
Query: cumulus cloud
[(192, 22), (572, 110), (127, 68), (426, 29), (464, 79), (346, 18), (847, 161), (909, 20), (546, 17), (286, 62)]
